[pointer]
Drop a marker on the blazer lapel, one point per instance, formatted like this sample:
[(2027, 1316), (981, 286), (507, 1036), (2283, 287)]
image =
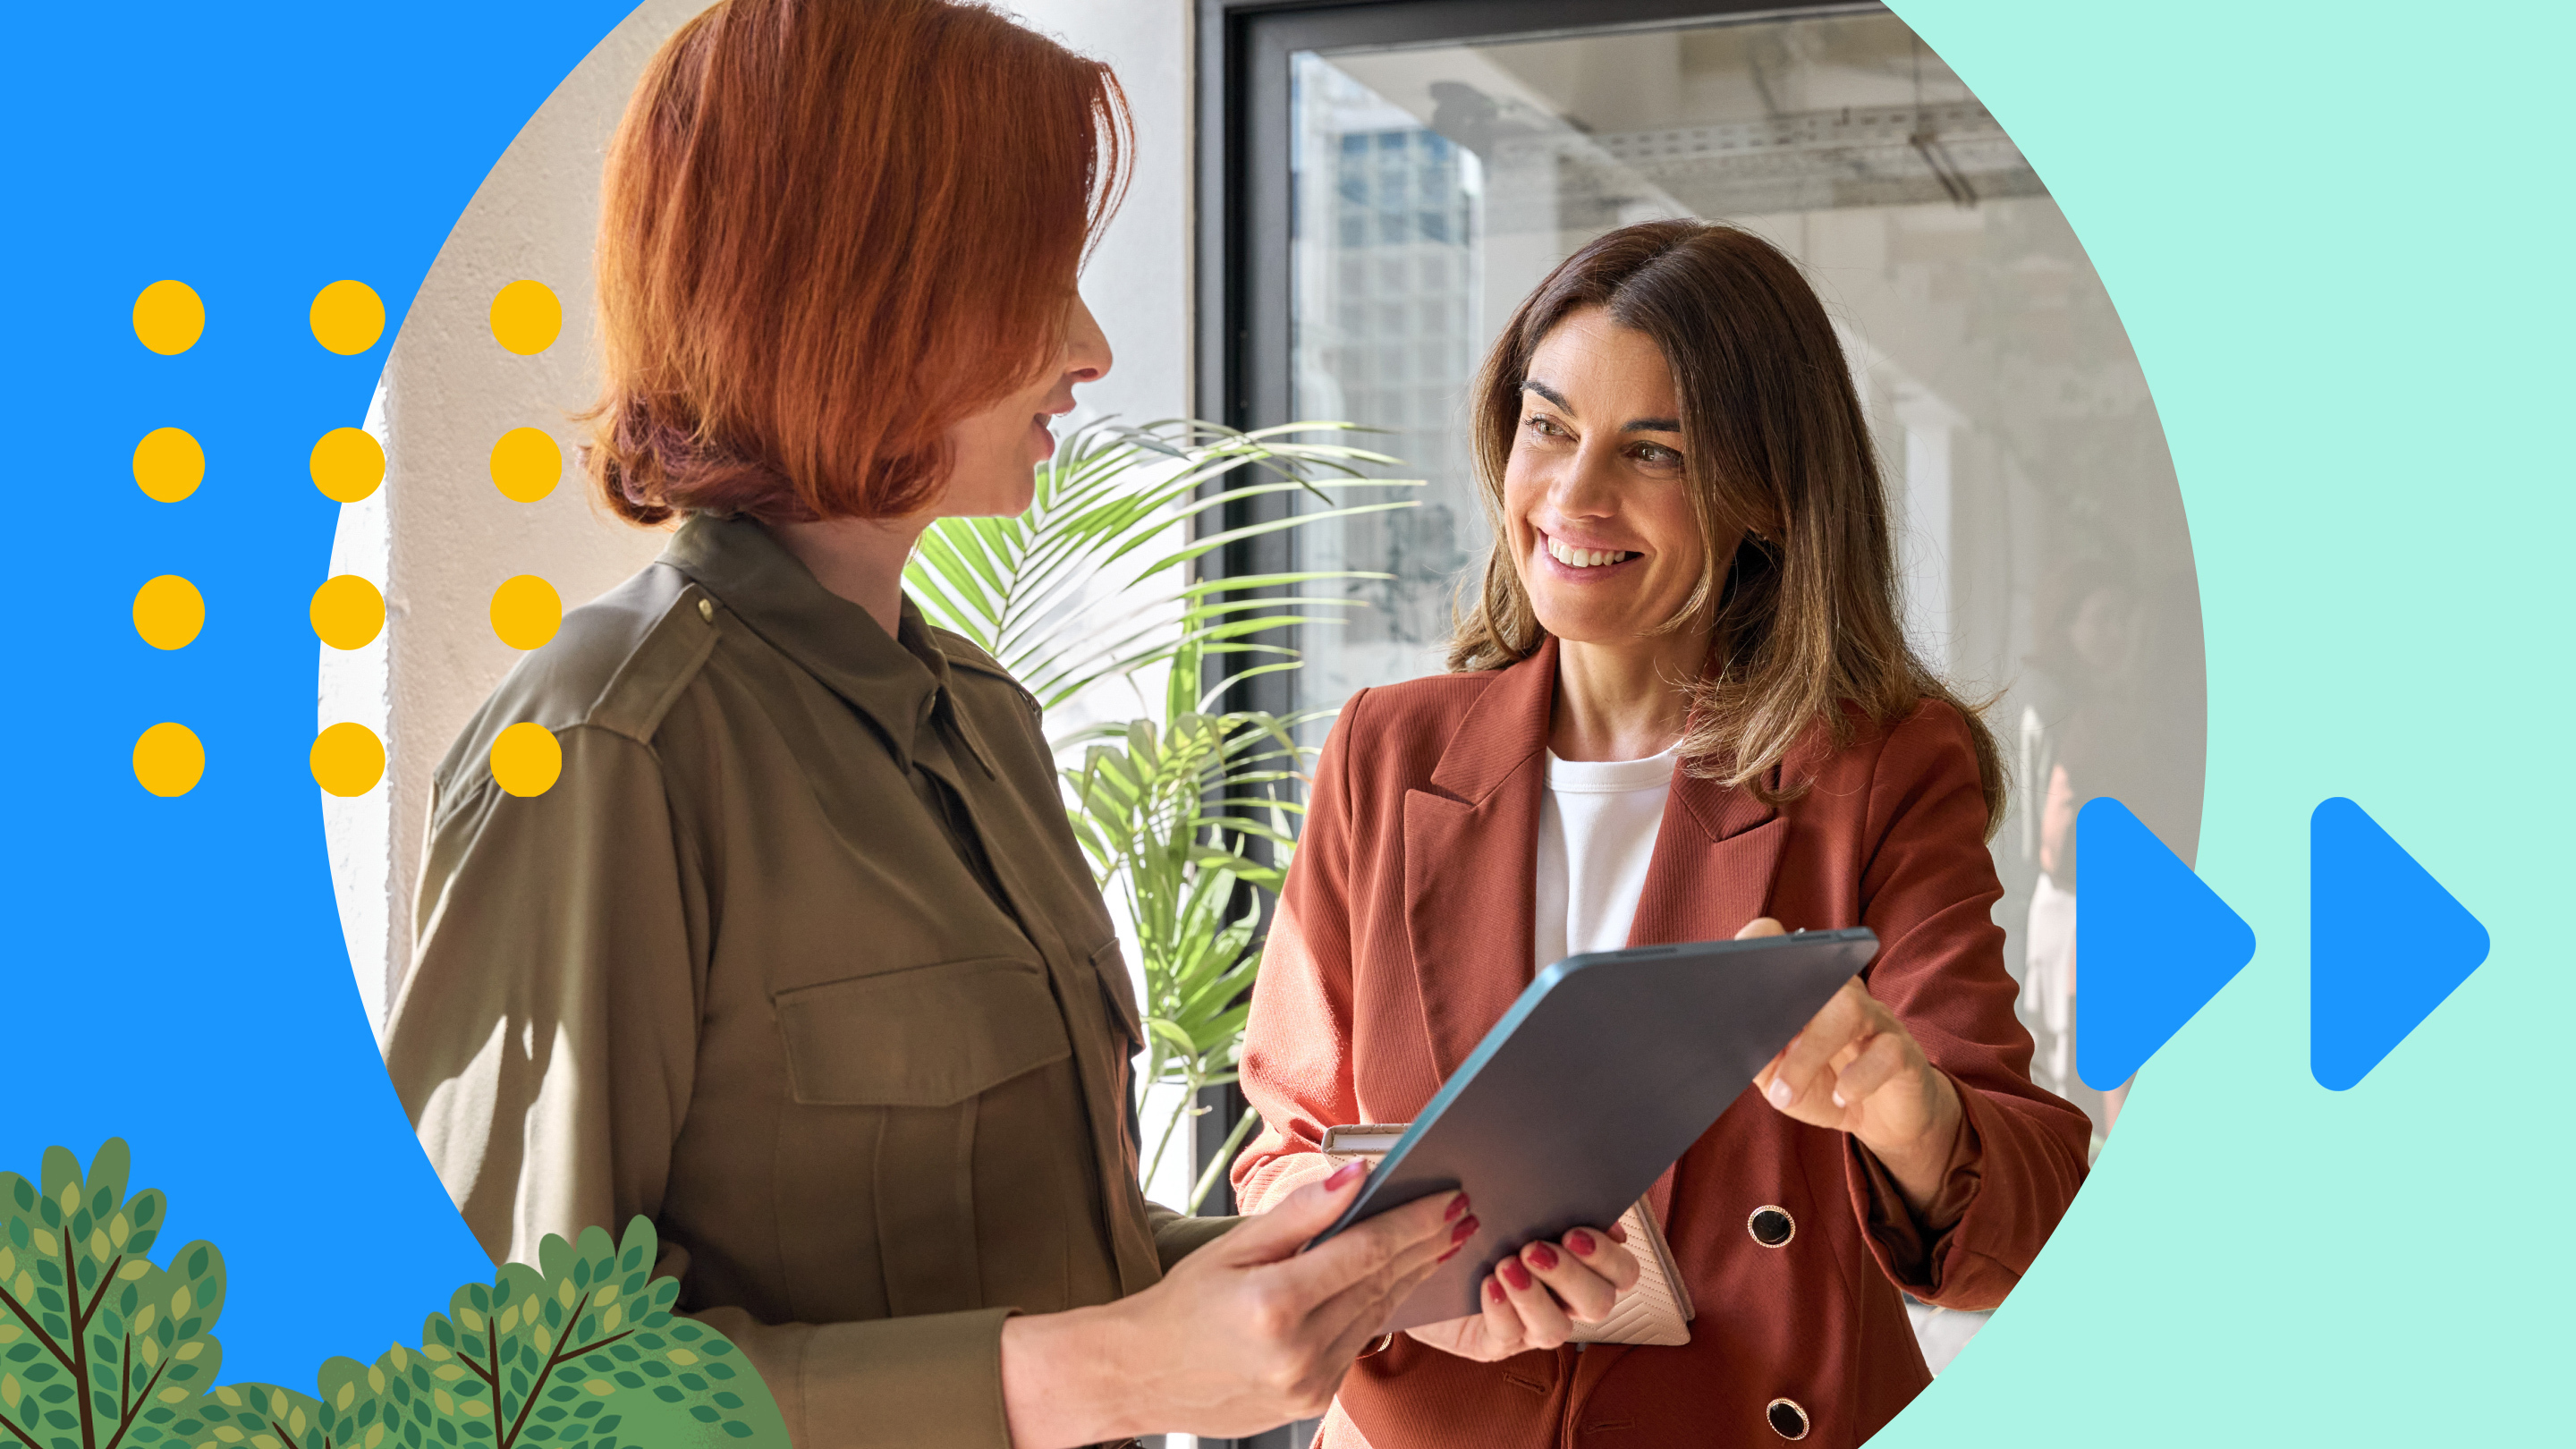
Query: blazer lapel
[(1471, 858), (1714, 860)]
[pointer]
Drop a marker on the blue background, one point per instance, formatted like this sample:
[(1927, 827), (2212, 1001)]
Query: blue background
[(2338, 236)]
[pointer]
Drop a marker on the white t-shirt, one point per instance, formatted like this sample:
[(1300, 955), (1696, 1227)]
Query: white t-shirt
[(1596, 836)]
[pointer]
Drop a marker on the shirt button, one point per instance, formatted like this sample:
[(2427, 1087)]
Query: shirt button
[(1771, 1227), (1788, 1420), (707, 610)]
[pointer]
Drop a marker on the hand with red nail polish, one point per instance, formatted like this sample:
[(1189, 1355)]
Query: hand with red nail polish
[(1534, 1298)]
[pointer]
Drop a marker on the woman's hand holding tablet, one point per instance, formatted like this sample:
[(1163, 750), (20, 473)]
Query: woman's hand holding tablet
[(1862, 1073)]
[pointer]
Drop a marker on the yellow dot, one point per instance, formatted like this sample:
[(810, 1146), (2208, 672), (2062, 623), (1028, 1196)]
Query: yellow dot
[(348, 613), (168, 760), (526, 611), (168, 612), (348, 464), (526, 760), (348, 759), (526, 464), (526, 317), (168, 464), (168, 318), (348, 317)]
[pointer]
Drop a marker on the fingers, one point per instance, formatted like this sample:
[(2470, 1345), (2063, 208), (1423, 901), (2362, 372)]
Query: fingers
[(1882, 1061), (1279, 1233), (1357, 1313), (1397, 1241), (1761, 926), (1585, 1295), (1803, 1064), (1504, 1335), (1543, 1323), (1604, 1256)]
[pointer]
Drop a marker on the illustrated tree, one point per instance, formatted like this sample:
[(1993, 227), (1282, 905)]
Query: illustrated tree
[(100, 1347)]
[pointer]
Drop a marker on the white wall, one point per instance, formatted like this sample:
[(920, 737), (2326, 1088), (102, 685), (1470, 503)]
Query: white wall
[(438, 538)]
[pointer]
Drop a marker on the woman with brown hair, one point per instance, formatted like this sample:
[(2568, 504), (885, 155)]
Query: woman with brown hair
[(798, 956), (1681, 708)]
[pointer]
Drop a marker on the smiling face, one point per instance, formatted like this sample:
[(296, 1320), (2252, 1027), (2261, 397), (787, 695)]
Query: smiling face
[(994, 454), (1596, 496)]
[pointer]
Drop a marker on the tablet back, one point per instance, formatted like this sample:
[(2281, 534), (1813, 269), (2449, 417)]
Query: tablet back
[(1600, 1076)]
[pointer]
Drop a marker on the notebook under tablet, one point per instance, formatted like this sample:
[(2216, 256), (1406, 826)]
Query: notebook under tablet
[(1600, 1076)]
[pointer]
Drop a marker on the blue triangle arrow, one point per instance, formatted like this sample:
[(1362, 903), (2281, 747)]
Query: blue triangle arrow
[(2386, 944), (2152, 944)]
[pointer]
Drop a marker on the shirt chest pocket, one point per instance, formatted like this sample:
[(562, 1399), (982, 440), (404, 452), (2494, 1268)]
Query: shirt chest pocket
[(932, 1086), (931, 1036)]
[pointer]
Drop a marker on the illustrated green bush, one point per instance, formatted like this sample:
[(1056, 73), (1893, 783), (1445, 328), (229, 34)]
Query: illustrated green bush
[(581, 1352)]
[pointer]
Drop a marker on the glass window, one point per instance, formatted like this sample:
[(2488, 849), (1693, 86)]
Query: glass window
[(2046, 560)]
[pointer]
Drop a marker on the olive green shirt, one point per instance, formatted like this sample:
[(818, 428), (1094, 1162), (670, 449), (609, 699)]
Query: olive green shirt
[(799, 958)]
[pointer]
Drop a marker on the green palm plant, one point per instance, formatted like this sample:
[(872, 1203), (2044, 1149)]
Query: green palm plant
[(1093, 581), (1169, 816), (1185, 814)]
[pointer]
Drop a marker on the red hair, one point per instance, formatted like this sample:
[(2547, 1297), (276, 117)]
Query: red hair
[(829, 229)]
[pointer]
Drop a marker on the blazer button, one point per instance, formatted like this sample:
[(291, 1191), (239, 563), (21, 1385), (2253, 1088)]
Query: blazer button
[(1772, 1227), (1787, 1419)]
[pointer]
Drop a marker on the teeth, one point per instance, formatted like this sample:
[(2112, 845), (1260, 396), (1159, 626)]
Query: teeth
[(1584, 558)]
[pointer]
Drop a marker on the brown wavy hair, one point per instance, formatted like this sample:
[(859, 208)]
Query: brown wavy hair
[(1779, 455), (828, 229)]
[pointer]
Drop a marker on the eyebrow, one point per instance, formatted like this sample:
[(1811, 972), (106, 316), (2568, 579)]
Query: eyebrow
[(1633, 425)]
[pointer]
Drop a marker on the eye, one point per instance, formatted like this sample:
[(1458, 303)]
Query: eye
[(1656, 455), (1543, 425)]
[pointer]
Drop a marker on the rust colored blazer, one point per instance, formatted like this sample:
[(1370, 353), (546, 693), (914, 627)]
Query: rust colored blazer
[(1405, 930)]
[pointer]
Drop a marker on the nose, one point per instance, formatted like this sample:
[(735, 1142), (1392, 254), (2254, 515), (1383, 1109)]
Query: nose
[(1585, 487), (1086, 347)]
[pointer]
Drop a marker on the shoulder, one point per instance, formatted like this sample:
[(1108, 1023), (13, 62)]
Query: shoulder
[(616, 666), (1925, 758), (620, 660), (1433, 704), (1391, 737), (978, 674)]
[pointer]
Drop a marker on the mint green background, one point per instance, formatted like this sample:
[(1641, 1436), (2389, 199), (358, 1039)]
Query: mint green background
[(2338, 236)]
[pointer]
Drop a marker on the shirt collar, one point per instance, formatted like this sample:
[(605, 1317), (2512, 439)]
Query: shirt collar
[(896, 682)]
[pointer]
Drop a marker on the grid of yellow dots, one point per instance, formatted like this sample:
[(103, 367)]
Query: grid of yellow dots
[(347, 465)]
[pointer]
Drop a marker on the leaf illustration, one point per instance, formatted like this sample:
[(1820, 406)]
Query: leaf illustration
[(101, 1348)]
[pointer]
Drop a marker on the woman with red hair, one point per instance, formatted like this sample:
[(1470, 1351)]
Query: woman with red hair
[(798, 956)]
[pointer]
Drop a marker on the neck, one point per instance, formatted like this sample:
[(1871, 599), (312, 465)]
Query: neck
[(1626, 700), (860, 559)]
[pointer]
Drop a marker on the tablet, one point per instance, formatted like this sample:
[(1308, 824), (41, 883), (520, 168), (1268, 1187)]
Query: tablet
[(1601, 1075)]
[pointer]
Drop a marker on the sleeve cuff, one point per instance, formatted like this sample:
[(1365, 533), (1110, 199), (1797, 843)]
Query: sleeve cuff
[(1177, 1235), (1908, 1244), (931, 1379)]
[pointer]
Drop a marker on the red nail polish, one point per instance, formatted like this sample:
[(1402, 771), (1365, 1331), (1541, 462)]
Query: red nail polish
[(1445, 1257), (1542, 1257), (1463, 1232), (1516, 1275), (1581, 1242), (1349, 1173), (1493, 1291), (1457, 1205)]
